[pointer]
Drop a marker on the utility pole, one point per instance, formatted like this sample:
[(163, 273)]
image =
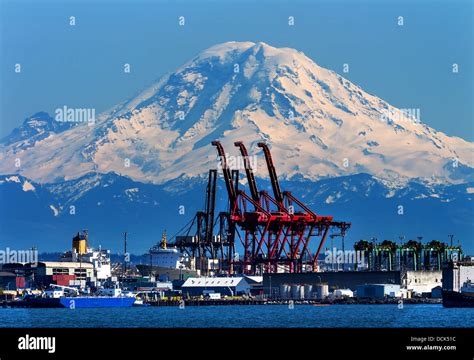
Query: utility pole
[(151, 263), (343, 254), (270, 278), (124, 253), (332, 248), (400, 252)]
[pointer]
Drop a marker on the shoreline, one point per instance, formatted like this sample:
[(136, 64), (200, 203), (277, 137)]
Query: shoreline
[(231, 302), (349, 301)]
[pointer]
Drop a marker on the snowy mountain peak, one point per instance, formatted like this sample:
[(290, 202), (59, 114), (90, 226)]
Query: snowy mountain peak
[(34, 128), (318, 123)]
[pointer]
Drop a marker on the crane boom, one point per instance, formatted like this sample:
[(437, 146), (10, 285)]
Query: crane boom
[(210, 205), (248, 171), (227, 175), (272, 172)]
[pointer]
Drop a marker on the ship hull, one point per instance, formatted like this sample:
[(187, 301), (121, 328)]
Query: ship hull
[(75, 302), (453, 299), (171, 274)]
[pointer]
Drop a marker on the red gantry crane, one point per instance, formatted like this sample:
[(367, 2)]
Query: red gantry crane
[(278, 231)]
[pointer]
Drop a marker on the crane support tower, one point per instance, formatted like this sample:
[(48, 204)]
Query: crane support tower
[(279, 233)]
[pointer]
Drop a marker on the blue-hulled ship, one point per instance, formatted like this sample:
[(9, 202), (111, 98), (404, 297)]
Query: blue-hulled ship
[(71, 298)]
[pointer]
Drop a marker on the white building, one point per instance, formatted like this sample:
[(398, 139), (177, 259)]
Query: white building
[(230, 286), (422, 281), (340, 293), (80, 270), (100, 260)]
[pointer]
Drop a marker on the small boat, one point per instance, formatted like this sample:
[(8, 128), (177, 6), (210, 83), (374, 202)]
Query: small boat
[(140, 302), (463, 298)]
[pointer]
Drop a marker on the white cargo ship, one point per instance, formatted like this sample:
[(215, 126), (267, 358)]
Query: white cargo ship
[(167, 263)]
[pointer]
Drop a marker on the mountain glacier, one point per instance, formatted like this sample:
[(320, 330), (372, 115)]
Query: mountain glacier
[(318, 124), (344, 151)]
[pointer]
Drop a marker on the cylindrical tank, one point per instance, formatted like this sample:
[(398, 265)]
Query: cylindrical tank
[(308, 291), (321, 291), (295, 291), (301, 295), (284, 291)]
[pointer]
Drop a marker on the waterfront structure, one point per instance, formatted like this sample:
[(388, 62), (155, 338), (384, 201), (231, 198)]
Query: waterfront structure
[(11, 281), (279, 233), (422, 281), (378, 291), (62, 273), (340, 293), (230, 286), (256, 284), (412, 255), (417, 282)]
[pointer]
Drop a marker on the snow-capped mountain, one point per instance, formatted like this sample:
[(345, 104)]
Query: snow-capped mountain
[(35, 128), (318, 124), (342, 151)]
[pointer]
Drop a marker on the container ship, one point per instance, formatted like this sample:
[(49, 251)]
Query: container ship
[(463, 298), (167, 263)]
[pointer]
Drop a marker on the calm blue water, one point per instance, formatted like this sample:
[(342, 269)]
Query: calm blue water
[(243, 316)]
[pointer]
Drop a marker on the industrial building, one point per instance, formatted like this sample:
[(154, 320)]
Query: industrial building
[(378, 291), (229, 286), (422, 281), (256, 285), (335, 280), (62, 272), (417, 282), (42, 274), (340, 293), (11, 281)]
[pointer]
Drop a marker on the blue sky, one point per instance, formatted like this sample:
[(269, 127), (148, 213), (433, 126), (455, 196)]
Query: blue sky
[(82, 65)]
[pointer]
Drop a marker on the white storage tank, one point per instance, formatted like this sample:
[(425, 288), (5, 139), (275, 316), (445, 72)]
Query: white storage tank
[(284, 291), (301, 294), (321, 291), (295, 291), (308, 291)]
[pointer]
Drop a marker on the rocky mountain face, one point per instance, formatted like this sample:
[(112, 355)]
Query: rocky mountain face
[(345, 152)]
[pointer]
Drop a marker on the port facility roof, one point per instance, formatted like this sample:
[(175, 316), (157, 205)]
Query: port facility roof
[(254, 279), (66, 264), (213, 282)]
